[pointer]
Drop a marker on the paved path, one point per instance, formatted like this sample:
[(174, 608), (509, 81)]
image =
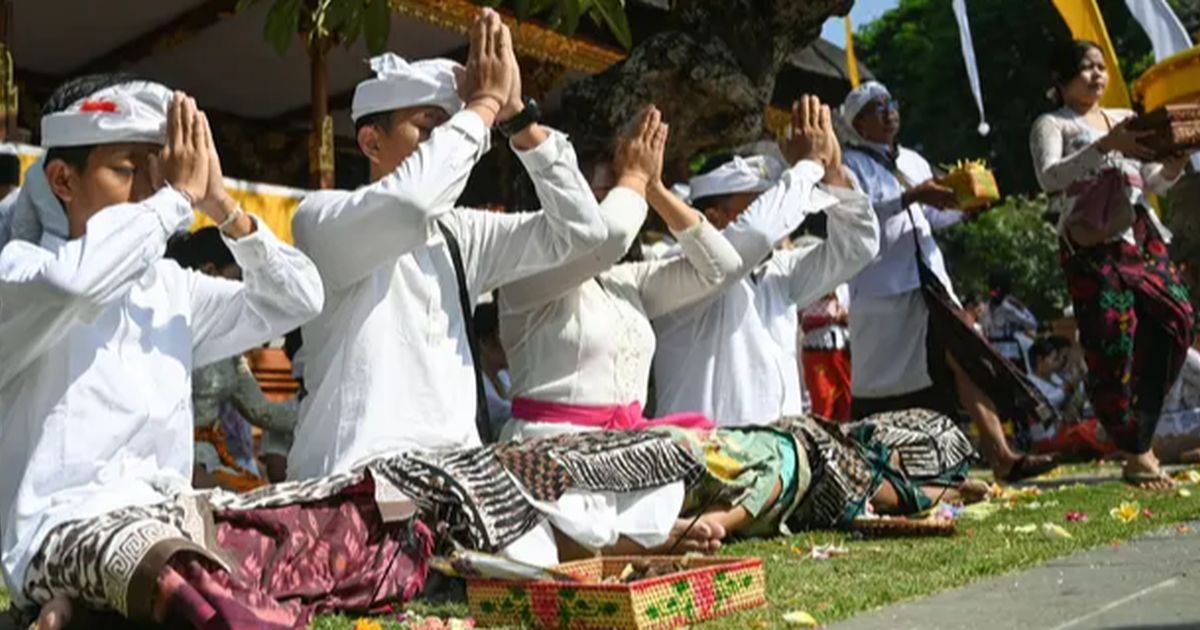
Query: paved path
[(1150, 582)]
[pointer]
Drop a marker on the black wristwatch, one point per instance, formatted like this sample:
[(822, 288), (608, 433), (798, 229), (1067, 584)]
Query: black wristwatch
[(528, 116)]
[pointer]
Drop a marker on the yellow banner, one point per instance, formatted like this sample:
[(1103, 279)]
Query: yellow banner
[(1085, 21), (851, 60)]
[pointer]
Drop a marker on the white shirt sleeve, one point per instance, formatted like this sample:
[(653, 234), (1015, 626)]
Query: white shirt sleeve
[(42, 292), (667, 285), (1056, 171), (887, 201), (941, 219), (776, 213), (623, 212), (280, 290), (500, 248), (349, 234), (806, 275)]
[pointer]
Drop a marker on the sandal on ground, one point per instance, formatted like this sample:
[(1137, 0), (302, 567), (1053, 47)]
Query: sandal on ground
[(1027, 468)]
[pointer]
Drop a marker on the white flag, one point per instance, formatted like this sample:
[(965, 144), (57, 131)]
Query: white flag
[(968, 50), (1166, 32)]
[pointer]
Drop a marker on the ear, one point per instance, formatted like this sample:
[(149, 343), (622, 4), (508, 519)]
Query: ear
[(209, 269), (368, 142), (63, 180), (714, 215)]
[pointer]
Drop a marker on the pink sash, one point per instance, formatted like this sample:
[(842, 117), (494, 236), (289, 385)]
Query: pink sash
[(611, 417)]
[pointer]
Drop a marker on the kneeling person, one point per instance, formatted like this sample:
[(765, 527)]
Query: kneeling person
[(98, 338)]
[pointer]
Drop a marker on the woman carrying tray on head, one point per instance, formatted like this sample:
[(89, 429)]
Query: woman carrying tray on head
[(1135, 320)]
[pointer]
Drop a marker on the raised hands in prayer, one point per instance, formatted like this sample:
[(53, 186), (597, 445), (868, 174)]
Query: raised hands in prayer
[(812, 138), (183, 162), (189, 163), (811, 135), (488, 86), (639, 157)]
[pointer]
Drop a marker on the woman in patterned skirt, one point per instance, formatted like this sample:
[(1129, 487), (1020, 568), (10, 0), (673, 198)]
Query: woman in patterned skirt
[(802, 473), (1135, 320)]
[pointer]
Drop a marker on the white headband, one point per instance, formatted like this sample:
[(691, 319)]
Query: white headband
[(398, 84), (127, 112), (683, 191), (755, 173), (858, 98)]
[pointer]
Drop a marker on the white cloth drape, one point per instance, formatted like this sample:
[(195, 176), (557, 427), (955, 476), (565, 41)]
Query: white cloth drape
[(1166, 33), (968, 50)]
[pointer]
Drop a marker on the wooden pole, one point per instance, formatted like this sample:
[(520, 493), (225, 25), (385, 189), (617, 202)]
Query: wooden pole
[(8, 82), (320, 149)]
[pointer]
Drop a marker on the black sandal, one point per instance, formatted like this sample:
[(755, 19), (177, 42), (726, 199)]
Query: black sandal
[(1025, 468)]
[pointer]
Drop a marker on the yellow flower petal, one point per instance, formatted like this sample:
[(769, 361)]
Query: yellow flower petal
[(1126, 512), (800, 619), (1054, 532)]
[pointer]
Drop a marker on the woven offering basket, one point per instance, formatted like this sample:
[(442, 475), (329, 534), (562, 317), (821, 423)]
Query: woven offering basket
[(707, 589), (894, 527)]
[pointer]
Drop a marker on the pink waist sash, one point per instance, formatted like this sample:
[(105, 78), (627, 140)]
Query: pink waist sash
[(612, 417)]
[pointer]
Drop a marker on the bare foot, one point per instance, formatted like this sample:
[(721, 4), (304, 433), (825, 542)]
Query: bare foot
[(1024, 467), (974, 491), (55, 615), (703, 537), (1142, 471)]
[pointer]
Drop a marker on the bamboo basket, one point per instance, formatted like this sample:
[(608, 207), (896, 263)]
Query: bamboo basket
[(710, 588)]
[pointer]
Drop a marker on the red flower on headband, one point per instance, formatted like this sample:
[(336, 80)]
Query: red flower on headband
[(98, 106)]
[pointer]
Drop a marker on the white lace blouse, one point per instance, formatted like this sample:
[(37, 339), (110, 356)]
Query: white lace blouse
[(581, 334), (1064, 151)]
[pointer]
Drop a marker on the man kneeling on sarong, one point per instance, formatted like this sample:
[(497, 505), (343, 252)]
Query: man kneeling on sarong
[(98, 338)]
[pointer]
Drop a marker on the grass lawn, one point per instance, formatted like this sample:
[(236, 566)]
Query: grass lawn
[(878, 572)]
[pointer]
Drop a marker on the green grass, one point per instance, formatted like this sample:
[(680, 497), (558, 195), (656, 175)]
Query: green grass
[(884, 571)]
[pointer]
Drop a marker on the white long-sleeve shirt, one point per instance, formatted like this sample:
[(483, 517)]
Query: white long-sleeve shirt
[(894, 270), (733, 356), (581, 334), (387, 364), (98, 339)]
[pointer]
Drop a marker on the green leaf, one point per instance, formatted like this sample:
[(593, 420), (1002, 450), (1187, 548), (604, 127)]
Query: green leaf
[(613, 14), (377, 25), (572, 11), (242, 5), (283, 22)]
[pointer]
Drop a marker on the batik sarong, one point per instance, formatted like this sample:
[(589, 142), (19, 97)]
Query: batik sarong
[(269, 559), (1135, 324), (850, 462)]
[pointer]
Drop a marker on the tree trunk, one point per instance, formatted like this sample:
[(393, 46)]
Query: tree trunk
[(712, 76), (320, 149)]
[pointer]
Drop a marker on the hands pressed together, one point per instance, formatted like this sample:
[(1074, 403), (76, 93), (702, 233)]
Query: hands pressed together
[(189, 163), (490, 84)]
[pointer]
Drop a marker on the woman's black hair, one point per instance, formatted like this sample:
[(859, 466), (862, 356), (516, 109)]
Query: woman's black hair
[(1001, 284), (194, 250), (1065, 65)]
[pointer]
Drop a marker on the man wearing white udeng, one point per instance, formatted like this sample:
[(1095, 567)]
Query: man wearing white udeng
[(388, 364)]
